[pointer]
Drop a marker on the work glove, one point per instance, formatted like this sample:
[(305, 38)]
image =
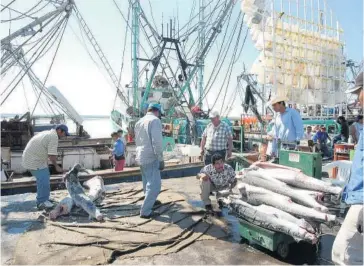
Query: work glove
[(161, 166), (359, 224)]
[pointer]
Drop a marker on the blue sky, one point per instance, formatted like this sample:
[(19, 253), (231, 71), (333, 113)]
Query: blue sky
[(86, 87)]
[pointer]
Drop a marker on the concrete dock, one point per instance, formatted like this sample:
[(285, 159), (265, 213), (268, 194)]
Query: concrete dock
[(18, 213)]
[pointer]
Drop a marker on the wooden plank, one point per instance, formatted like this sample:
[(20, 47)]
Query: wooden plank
[(105, 174)]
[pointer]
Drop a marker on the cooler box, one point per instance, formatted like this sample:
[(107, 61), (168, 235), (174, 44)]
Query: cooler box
[(309, 163)]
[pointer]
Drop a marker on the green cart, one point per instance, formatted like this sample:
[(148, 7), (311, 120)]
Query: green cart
[(271, 240)]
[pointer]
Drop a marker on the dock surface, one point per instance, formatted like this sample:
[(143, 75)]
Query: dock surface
[(18, 213)]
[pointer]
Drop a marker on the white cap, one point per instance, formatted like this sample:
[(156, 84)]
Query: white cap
[(214, 114), (277, 99)]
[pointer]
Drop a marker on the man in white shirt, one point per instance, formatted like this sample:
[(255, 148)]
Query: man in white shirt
[(308, 134), (216, 138), (39, 149)]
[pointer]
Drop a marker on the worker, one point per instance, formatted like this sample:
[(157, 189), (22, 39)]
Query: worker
[(287, 127), (348, 245), (308, 134), (344, 131), (149, 155), (321, 138), (356, 128), (215, 177), (118, 152), (216, 138), (39, 149)]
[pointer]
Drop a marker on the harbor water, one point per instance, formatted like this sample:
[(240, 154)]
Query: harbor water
[(97, 128)]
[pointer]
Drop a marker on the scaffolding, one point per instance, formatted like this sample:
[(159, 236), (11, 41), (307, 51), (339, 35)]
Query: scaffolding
[(301, 51)]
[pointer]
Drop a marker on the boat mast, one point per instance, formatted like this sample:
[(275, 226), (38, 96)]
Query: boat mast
[(215, 31), (201, 42), (135, 52)]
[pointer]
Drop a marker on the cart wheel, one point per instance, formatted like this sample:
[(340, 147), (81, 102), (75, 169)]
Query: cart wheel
[(283, 250), (243, 240)]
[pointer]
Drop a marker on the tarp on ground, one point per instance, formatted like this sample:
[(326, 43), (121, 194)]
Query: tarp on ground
[(74, 239)]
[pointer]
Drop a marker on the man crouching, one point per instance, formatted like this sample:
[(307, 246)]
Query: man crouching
[(215, 177)]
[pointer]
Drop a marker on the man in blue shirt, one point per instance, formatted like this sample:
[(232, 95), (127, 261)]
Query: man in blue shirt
[(348, 245), (287, 127), (321, 138)]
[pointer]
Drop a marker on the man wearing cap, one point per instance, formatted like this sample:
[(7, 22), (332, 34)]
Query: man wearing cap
[(149, 155), (39, 149), (216, 138), (287, 127), (348, 245)]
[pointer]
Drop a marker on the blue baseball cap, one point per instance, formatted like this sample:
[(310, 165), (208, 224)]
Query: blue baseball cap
[(155, 105), (64, 128)]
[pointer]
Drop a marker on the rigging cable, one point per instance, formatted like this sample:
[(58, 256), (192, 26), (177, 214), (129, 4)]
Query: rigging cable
[(189, 21), (228, 74), (4, 59), (7, 5), (25, 96), (224, 38), (233, 62), (53, 59), (192, 20), (123, 55), (151, 13), (127, 23), (26, 71), (217, 62), (50, 32), (22, 14)]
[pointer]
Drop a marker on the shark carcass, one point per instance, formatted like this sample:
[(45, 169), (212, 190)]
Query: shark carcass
[(258, 215), (78, 197)]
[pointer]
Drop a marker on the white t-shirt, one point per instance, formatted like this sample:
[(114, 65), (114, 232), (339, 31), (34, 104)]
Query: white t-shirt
[(308, 135)]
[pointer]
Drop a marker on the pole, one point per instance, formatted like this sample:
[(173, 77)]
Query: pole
[(135, 51), (201, 41)]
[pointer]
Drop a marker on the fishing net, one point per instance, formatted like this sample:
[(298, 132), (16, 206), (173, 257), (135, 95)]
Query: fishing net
[(74, 239)]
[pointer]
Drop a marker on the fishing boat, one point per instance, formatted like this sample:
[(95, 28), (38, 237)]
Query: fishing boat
[(168, 63)]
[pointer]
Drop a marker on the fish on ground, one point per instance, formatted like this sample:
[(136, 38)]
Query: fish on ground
[(96, 193), (96, 189), (78, 195)]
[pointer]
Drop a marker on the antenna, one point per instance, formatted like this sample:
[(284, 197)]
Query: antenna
[(162, 25)]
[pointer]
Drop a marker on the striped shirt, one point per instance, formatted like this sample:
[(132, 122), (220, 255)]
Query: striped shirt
[(217, 137), (35, 155)]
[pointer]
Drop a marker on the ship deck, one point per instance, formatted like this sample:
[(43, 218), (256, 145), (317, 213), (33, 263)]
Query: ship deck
[(18, 214)]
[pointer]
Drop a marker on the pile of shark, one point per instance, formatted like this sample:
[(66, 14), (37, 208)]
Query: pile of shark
[(275, 197), (282, 199)]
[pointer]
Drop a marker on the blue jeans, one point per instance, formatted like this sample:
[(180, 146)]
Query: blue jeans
[(152, 182), (43, 184)]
